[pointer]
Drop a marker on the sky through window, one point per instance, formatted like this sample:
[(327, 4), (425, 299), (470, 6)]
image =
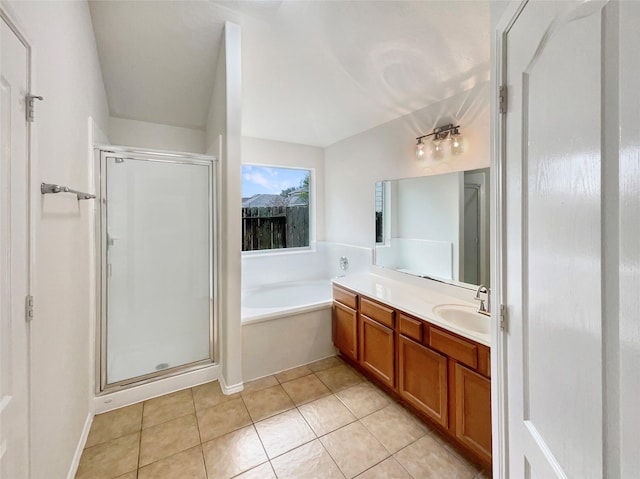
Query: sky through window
[(269, 180)]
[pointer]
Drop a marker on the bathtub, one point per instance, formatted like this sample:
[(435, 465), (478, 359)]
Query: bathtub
[(284, 299), (284, 326)]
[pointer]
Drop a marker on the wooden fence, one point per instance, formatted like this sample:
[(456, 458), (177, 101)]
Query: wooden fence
[(379, 228), (274, 227)]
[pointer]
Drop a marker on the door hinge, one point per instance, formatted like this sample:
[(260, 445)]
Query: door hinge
[(503, 318), (503, 93), (31, 109), (28, 310)]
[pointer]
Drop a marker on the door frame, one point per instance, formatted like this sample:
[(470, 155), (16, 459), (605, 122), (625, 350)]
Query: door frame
[(499, 329), (11, 19)]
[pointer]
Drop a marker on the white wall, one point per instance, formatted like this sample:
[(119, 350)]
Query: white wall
[(67, 73), (425, 231), (142, 134), (277, 153), (436, 198), (223, 139), (352, 166), (321, 263)]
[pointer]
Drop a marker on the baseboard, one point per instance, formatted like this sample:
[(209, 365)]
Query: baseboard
[(114, 400), (335, 353), (234, 388), (80, 447)]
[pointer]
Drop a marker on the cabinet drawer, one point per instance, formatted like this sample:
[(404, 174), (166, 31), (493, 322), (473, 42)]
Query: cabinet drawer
[(454, 347), (345, 297), (484, 361), (376, 311), (412, 328)]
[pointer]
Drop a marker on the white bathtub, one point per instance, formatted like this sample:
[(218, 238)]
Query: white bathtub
[(285, 325), (284, 299)]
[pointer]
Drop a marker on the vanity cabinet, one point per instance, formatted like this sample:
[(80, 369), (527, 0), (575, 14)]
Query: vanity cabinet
[(443, 376), (377, 341), (345, 322)]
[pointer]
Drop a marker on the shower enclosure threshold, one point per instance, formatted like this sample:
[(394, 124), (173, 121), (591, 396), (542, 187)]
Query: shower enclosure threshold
[(125, 395)]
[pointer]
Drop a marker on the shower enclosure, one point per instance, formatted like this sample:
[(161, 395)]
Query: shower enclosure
[(156, 270)]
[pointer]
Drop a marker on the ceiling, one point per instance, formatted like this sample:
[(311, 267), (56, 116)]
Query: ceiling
[(313, 72)]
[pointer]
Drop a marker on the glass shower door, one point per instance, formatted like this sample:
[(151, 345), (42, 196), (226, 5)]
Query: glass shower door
[(157, 254)]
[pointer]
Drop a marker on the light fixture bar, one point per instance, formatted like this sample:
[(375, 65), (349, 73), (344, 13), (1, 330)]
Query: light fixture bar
[(446, 141), (439, 131)]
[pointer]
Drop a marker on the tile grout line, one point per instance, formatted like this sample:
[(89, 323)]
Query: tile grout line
[(431, 431), (334, 393), (175, 453), (195, 414), (140, 438), (297, 408), (327, 451), (391, 454), (436, 435), (402, 465), (326, 434), (253, 424), (359, 420)]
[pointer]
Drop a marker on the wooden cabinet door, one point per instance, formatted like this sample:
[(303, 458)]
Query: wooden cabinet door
[(377, 351), (422, 379), (345, 330), (473, 411)]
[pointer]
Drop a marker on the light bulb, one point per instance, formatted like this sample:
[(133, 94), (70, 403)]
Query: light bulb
[(438, 148), (446, 145), (456, 143), (420, 151)]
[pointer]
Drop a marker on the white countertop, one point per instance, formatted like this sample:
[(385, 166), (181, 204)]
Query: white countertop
[(415, 300)]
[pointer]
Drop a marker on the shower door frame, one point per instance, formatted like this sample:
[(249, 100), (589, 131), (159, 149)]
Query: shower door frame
[(102, 153)]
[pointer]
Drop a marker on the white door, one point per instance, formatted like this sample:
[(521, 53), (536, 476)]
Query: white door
[(14, 263), (553, 287)]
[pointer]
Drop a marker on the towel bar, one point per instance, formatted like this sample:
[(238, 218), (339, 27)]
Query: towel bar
[(48, 188)]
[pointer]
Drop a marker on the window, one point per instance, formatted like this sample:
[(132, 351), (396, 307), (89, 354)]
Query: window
[(275, 207)]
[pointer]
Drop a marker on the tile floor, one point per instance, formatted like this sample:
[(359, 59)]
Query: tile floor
[(323, 420)]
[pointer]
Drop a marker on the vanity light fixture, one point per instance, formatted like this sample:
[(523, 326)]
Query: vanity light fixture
[(446, 139)]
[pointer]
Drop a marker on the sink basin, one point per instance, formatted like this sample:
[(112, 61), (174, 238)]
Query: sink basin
[(464, 317)]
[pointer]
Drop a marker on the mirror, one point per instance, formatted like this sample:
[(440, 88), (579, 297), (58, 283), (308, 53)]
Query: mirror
[(435, 226)]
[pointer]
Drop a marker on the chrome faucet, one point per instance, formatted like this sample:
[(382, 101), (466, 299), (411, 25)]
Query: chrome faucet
[(482, 309)]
